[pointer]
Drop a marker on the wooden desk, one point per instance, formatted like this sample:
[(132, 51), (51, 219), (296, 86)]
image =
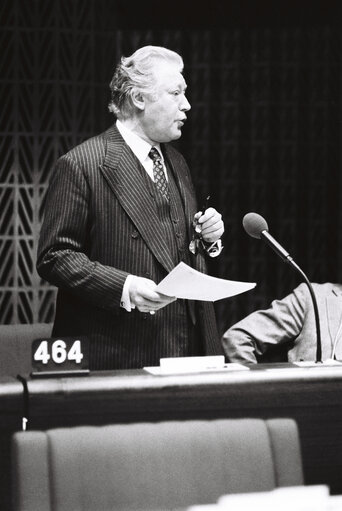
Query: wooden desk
[(312, 396)]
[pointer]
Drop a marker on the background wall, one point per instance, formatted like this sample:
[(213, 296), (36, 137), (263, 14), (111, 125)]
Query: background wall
[(264, 133)]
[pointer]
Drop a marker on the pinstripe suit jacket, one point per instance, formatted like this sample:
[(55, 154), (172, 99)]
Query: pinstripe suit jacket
[(101, 224)]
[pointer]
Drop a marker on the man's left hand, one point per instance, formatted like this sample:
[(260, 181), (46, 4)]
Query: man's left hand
[(211, 224)]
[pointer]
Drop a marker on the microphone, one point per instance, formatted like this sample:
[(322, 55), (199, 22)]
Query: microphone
[(256, 226)]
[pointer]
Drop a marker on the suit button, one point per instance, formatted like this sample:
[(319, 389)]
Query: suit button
[(135, 234), (147, 274)]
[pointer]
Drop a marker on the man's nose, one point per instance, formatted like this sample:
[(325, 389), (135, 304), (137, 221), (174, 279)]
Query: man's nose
[(185, 105)]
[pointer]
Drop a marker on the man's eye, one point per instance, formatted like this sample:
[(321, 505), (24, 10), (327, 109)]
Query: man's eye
[(176, 93)]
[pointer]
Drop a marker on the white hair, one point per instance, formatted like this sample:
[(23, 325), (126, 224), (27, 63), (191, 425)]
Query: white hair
[(135, 72)]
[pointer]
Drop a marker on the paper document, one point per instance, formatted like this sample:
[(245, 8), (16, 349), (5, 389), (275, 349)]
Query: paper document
[(185, 282), (183, 365)]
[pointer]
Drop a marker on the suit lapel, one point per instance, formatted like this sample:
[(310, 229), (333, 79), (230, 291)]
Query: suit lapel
[(121, 170)]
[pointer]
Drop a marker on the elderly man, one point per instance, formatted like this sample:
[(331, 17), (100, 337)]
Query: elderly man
[(290, 323), (119, 216)]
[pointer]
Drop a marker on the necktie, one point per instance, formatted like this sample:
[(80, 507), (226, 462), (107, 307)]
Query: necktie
[(158, 172)]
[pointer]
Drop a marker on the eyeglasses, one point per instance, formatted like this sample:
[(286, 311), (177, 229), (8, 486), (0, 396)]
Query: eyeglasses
[(196, 235), (212, 250), (196, 238)]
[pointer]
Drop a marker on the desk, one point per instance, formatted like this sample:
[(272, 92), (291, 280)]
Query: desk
[(312, 396)]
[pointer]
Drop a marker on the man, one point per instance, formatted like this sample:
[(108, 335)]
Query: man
[(290, 322), (110, 234)]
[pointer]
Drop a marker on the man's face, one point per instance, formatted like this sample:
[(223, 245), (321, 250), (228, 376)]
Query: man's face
[(164, 114)]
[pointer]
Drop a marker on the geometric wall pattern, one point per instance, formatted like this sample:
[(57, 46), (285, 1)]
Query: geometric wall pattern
[(264, 135)]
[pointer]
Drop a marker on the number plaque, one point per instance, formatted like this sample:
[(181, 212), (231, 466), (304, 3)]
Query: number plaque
[(60, 356)]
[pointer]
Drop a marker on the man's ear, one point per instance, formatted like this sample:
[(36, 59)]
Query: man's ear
[(138, 99)]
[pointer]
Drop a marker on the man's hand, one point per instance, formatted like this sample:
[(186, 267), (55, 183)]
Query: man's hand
[(210, 224), (145, 298)]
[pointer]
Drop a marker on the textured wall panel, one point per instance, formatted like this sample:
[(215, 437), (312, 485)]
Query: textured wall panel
[(264, 135)]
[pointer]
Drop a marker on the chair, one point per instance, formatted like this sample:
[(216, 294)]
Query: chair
[(164, 465), (15, 346)]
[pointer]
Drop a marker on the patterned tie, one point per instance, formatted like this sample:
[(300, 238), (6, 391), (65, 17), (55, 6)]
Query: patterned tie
[(158, 172)]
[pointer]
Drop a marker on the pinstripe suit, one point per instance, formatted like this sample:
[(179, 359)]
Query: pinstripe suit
[(100, 225)]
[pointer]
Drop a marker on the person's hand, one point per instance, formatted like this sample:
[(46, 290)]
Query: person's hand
[(143, 294), (210, 224)]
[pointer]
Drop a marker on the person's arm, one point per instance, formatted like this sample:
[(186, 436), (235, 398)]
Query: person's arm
[(62, 259), (256, 333)]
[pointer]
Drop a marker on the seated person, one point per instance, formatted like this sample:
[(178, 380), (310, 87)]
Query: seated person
[(290, 322)]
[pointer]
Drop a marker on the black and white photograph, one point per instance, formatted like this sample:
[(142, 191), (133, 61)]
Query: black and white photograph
[(171, 255)]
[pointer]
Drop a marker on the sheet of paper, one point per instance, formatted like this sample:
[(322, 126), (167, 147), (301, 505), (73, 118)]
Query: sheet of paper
[(297, 498), (188, 368), (185, 282)]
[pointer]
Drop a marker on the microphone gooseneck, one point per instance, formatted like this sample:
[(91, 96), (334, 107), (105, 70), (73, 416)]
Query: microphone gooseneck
[(256, 226)]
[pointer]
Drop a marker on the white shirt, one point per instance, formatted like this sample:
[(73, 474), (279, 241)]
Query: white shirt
[(140, 148)]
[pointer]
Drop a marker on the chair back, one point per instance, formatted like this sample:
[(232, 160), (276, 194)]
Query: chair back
[(15, 346), (164, 465)]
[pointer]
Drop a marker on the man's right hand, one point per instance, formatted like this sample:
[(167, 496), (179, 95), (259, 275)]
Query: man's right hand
[(143, 295)]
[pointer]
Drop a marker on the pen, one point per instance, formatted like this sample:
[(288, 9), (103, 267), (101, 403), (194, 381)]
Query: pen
[(198, 227), (205, 205)]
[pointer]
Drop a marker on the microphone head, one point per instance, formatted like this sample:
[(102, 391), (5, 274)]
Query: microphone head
[(254, 224)]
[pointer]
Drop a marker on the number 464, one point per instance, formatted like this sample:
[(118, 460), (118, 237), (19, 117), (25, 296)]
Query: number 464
[(59, 352)]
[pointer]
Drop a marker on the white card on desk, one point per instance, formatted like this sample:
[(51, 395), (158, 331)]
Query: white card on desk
[(178, 365)]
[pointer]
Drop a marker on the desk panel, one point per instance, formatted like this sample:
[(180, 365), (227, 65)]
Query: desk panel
[(312, 396)]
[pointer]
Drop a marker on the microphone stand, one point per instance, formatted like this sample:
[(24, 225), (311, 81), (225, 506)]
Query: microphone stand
[(288, 259), (314, 302)]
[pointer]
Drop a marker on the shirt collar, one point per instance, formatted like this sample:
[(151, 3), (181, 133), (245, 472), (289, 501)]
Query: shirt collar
[(140, 147)]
